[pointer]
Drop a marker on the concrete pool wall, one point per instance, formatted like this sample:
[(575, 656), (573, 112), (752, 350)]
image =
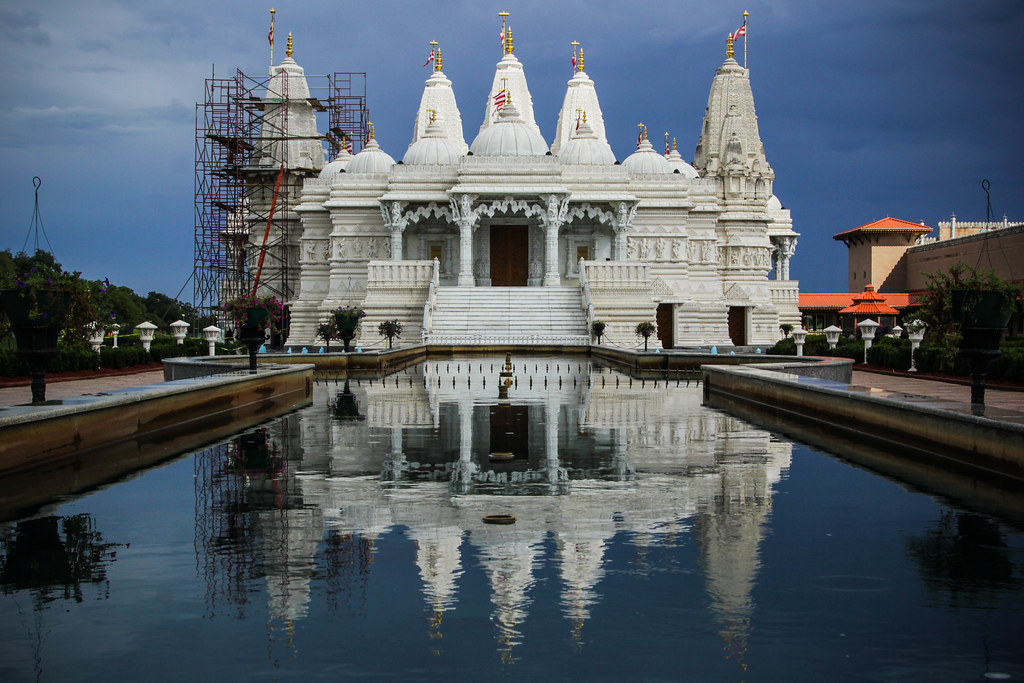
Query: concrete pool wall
[(981, 441)]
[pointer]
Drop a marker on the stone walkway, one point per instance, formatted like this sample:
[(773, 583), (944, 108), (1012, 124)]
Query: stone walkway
[(996, 398), (1009, 400), (13, 396)]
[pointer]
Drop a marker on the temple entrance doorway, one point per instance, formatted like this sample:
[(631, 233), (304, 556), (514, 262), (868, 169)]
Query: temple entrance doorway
[(510, 255), (738, 325), (665, 326)]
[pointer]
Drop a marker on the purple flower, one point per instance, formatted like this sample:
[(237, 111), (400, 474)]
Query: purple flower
[(20, 284), (49, 280)]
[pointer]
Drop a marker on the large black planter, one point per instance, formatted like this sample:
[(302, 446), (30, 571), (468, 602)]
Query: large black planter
[(252, 333), (347, 330), (36, 336), (983, 316)]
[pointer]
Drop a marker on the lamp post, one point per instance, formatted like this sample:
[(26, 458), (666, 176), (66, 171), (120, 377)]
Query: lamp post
[(179, 328), (867, 333), (832, 336), (114, 329), (915, 332), (799, 336), (212, 334), (146, 332), (897, 332)]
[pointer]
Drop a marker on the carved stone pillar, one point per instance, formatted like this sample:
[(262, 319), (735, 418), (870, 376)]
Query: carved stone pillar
[(465, 218), (785, 247), (396, 222), (555, 212), (622, 225)]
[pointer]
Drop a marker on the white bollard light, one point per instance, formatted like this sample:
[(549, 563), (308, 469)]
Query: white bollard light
[(799, 336), (179, 328), (146, 332), (96, 333), (915, 332), (867, 333), (114, 329), (212, 334), (832, 335)]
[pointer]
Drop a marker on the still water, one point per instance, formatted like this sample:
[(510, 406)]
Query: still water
[(654, 539)]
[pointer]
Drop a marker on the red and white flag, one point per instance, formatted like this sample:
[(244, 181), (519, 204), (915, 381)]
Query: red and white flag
[(499, 101), (430, 58), (639, 138), (574, 60), (270, 35), (741, 31), (501, 37)]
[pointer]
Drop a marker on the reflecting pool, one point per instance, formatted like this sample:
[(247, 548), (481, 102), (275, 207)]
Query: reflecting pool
[(653, 538)]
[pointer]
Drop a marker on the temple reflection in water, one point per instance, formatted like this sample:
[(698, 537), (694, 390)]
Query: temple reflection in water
[(577, 454)]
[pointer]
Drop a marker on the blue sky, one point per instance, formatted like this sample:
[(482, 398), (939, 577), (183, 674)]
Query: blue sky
[(866, 109)]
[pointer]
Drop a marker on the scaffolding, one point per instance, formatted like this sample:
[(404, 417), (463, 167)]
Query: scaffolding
[(240, 143)]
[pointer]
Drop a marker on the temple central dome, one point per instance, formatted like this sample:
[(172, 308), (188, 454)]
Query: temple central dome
[(509, 136)]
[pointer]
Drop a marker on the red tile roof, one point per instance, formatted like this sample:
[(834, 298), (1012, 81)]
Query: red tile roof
[(886, 225), (897, 300)]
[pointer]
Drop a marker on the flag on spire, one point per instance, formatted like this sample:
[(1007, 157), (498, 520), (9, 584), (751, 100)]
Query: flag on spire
[(741, 31), (499, 100), (501, 37), (270, 35), (430, 58)]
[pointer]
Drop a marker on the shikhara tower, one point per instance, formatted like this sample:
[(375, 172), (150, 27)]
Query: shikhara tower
[(548, 237)]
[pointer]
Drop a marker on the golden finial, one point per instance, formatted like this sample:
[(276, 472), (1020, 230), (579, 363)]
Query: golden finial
[(508, 41), (504, 30), (728, 46), (674, 145), (437, 63), (580, 67), (372, 132), (289, 50), (433, 114)]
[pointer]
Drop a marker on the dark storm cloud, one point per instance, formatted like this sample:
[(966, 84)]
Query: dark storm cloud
[(22, 26)]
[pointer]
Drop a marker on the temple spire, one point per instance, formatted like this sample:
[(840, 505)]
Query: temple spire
[(288, 52)]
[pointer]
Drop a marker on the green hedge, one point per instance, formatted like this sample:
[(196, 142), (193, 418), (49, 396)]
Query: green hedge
[(75, 358), (817, 345)]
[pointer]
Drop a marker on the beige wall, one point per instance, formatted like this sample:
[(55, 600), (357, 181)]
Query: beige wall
[(875, 259), (1002, 250)]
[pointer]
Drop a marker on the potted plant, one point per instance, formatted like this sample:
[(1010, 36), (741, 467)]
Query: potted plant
[(252, 316), (390, 329), (346, 320), (40, 300), (645, 330), (327, 331), (597, 329), (785, 329)]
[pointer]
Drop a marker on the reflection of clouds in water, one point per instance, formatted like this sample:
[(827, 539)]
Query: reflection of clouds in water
[(651, 464)]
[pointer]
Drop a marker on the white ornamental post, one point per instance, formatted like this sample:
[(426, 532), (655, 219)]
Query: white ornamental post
[(915, 332), (799, 336), (114, 329), (146, 332), (179, 328), (96, 333), (212, 334), (832, 335), (867, 333)]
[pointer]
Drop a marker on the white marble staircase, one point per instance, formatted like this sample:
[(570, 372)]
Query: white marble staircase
[(508, 315)]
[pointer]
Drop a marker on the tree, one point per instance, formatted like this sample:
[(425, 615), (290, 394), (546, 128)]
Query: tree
[(937, 311)]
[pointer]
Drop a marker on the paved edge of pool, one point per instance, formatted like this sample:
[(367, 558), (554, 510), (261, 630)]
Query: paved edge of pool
[(35, 435), (947, 433)]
